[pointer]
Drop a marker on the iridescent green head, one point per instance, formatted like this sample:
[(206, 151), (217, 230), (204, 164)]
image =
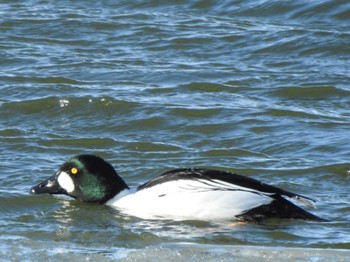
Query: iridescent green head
[(87, 178)]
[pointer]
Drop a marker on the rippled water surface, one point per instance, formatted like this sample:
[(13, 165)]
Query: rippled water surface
[(260, 88)]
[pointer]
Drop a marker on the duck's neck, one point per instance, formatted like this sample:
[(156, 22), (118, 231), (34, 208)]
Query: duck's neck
[(125, 192)]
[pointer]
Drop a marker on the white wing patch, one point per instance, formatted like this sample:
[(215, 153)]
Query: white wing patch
[(191, 199)]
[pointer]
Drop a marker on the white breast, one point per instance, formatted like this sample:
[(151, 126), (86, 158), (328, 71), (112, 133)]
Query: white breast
[(190, 199)]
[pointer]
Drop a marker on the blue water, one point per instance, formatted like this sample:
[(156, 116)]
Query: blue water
[(260, 88)]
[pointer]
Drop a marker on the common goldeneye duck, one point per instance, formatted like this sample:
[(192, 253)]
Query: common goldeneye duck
[(192, 193)]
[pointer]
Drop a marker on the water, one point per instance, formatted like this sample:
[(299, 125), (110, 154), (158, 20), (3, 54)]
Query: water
[(260, 88)]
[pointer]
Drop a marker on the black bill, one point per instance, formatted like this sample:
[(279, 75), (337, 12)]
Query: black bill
[(48, 186)]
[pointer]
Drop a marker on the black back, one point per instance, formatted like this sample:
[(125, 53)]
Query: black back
[(210, 174)]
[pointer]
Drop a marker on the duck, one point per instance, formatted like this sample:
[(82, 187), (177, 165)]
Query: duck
[(179, 194)]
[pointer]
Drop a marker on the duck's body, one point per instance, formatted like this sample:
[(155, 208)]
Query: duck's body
[(188, 199), (198, 194)]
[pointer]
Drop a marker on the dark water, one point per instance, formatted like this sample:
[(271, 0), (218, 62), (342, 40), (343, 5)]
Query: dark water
[(255, 87)]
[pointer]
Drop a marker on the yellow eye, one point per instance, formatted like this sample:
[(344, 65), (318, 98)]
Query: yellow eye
[(74, 170)]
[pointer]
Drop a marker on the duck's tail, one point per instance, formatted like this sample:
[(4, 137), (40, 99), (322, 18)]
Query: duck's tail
[(278, 208)]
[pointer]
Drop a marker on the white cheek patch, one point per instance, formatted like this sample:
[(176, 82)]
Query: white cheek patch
[(66, 182)]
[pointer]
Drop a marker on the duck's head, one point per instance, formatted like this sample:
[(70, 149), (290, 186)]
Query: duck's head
[(86, 178)]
